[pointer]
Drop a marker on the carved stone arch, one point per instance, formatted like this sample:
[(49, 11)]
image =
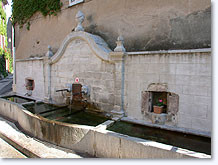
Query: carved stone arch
[(98, 46)]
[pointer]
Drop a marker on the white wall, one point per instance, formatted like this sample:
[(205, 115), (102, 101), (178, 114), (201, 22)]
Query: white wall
[(32, 69), (187, 74)]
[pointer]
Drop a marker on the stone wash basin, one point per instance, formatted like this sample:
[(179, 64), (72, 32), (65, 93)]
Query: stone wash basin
[(66, 115), (176, 139), (86, 131)]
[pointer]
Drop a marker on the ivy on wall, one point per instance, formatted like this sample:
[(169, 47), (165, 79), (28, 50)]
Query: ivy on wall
[(23, 10)]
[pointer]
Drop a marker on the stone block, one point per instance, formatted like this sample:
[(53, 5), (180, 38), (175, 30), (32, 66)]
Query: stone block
[(185, 69), (195, 90), (158, 118), (186, 108), (202, 100), (167, 69), (155, 58), (142, 68), (109, 86), (175, 88), (105, 106), (106, 146), (157, 87), (145, 102), (174, 59), (167, 78), (199, 111), (173, 103), (153, 68), (164, 58), (201, 124), (151, 78), (184, 120), (183, 79), (203, 58), (203, 69), (118, 84), (117, 100), (130, 149), (86, 145), (186, 99), (147, 59)]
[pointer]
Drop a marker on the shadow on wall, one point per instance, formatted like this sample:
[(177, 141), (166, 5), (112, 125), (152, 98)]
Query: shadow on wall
[(192, 31)]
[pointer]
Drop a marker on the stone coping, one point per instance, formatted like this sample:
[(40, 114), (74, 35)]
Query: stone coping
[(29, 59), (206, 50), (98, 46)]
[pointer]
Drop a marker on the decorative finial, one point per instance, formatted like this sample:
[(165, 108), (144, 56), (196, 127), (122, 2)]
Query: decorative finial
[(49, 53), (120, 47), (79, 19)]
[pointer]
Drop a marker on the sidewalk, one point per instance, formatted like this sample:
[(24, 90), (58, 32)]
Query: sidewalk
[(6, 84), (31, 147)]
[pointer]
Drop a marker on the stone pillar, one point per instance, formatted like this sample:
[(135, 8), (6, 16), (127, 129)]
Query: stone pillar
[(118, 56)]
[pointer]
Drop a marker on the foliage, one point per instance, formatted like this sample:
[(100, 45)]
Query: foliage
[(23, 10), (2, 12), (160, 103), (5, 54), (3, 26)]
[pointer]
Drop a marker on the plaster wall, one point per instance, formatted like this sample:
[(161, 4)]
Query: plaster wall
[(186, 74), (145, 25)]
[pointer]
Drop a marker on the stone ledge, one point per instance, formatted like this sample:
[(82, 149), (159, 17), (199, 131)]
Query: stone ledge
[(206, 50)]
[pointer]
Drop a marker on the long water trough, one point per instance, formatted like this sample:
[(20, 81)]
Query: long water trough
[(96, 133)]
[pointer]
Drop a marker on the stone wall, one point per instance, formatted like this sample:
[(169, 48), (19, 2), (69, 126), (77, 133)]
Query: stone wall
[(33, 69), (145, 25), (186, 73), (79, 61)]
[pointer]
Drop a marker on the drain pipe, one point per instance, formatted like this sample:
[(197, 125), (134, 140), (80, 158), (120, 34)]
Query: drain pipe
[(49, 83), (49, 55), (14, 58), (122, 83)]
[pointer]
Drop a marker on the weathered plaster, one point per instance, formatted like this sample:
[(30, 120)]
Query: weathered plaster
[(145, 25)]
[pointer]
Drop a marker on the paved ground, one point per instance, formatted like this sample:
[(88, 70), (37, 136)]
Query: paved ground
[(8, 151), (6, 84), (15, 144)]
